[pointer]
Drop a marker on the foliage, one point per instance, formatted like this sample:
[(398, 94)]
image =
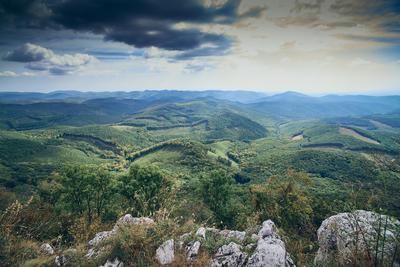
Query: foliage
[(284, 201), (185, 163), (145, 188), (218, 193), (86, 190)]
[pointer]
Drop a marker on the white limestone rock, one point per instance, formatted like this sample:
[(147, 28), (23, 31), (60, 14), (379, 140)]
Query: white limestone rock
[(344, 235), (46, 248), (270, 252), (229, 256), (268, 229), (193, 250), (115, 263), (201, 232), (100, 237), (60, 260), (125, 220), (238, 235), (165, 253)]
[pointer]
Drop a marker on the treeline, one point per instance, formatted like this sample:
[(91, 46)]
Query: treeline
[(190, 146), (102, 144), (158, 128)]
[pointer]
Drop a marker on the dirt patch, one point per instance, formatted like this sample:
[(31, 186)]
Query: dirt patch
[(357, 135), (297, 137), (122, 127), (380, 125)]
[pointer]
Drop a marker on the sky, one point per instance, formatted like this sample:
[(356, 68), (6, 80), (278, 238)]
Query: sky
[(309, 46)]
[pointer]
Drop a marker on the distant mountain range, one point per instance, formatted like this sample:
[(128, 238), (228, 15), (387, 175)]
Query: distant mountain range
[(296, 105), (27, 110), (235, 96)]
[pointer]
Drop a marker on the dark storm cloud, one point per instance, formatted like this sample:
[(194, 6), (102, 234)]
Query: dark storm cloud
[(140, 23), (301, 5), (384, 18), (384, 14), (24, 13), (366, 8), (221, 48)]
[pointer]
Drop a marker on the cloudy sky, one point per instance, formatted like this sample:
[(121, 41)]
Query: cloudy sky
[(312, 46)]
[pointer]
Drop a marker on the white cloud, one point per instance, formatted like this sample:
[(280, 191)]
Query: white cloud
[(8, 74), (39, 58), (29, 53), (26, 73)]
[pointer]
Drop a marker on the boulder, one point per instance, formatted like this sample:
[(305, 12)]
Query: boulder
[(46, 248), (201, 232), (239, 235), (229, 256), (100, 237), (60, 260), (125, 220), (114, 263), (348, 236), (165, 253), (268, 229), (270, 249), (270, 252), (193, 250)]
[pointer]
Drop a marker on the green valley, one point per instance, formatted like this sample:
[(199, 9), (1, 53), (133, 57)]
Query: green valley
[(189, 151)]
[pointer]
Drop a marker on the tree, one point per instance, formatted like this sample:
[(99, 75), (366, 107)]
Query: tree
[(217, 191), (145, 188), (86, 189), (283, 200)]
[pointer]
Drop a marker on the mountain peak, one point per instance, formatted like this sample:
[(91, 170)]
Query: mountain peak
[(290, 94)]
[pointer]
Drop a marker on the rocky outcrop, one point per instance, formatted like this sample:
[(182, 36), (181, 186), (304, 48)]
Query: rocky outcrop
[(47, 249), (270, 249), (100, 237), (228, 234), (125, 220), (268, 230), (270, 252), (192, 250), (229, 255), (201, 232), (360, 235), (60, 261), (165, 253), (264, 248), (114, 263), (267, 246)]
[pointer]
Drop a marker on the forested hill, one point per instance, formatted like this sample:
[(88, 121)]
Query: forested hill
[(151, 177)]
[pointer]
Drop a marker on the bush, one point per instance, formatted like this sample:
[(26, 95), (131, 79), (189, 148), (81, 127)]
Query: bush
[(145, 189)]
